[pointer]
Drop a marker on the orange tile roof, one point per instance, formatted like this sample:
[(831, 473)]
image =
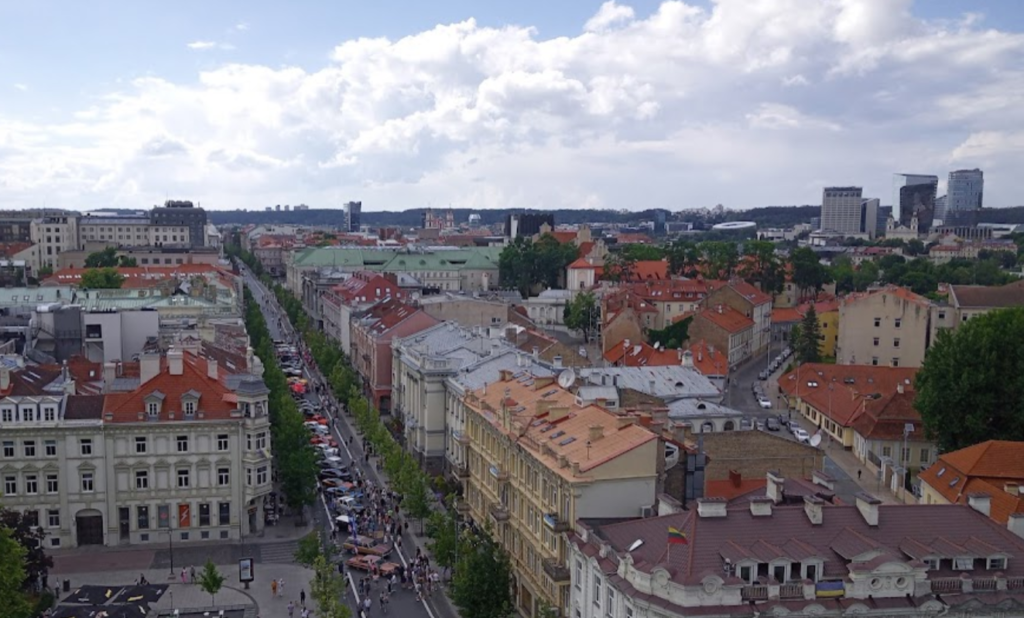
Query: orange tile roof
[(641, 355), (669, 290), (840, 391), (216, 401), (787, 314), (885, 418), (583, 263), (728, 489), (151, 274), (727, 318), (982, 468), (9, 249), (643, 270), (564, 236), (586, 248), (749, 292), (893, 290), (708, 360), (543, 410)]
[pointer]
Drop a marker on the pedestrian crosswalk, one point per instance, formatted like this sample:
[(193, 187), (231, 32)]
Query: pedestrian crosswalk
[(283, 553)]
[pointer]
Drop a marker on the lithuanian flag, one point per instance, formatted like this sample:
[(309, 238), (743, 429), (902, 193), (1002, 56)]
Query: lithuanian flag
[(677, 536)]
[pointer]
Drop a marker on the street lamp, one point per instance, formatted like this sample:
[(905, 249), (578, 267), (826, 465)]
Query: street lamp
[(170, 546)]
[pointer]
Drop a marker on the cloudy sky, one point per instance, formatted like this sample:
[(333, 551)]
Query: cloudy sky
[(533, 103)]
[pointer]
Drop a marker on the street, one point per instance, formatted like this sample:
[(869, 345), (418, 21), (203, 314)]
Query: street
[(403, 602)]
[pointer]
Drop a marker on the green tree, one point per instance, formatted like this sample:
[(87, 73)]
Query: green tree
[(211, 580), (618, 267), (641, 252), (309, 549), (107, 258), (482, 584), (36, 563), (970, 387), (44, 272), (416, 496), (545, 610), (809, 274), (443, 530), (583, 314), (683, 258), (719, 258), (101, 279), (13, 576), (763, 267), (672, 336), (807, 340), (327, 590)]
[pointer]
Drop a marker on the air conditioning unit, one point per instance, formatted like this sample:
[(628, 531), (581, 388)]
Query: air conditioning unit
[(647, 511)]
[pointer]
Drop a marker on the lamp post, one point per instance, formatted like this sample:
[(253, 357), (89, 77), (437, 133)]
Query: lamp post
[(170, 546), (908, 428)]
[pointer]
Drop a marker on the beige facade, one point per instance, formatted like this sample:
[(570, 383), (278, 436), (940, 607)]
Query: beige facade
[(890, 326), (54, 235), (536, 462), (466, 311), (130, 232)]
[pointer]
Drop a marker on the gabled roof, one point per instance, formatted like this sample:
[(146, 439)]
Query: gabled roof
[(889, 290), (991, 459), (641, 354), (752, 294), (987, 296), (986, 468), (885, 418), (843, 391), (726, 318), (217, 402)]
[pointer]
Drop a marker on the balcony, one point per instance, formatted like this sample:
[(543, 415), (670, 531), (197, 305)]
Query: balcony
[(791, 591), (555, 570), (754, 593), (498, 473), (946, 585), (555, 524), (461, 472), (499, 513), (462, 507), (460, 437)]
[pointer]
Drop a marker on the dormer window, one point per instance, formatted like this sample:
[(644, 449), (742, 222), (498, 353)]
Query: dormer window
[(997, 564), (153, 408), (189, 407), (932, 564), (190, 402), (963, 564)]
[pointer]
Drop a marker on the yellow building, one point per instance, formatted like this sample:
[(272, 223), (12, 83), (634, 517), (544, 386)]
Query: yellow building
[(537, 460), (828, 323)]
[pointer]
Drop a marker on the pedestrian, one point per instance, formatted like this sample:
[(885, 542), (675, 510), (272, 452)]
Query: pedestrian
[(273, 587), (302, 597), (280, 585), (183, 575), (291, 609), (859, 472), (192, 574)]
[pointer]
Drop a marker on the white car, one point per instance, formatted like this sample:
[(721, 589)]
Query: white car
[(764, 402), (801, 435)]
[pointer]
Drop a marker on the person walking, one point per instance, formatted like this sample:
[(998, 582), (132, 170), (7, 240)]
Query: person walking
[(273, 587), (302, 597), (291, 609), (192, 574)]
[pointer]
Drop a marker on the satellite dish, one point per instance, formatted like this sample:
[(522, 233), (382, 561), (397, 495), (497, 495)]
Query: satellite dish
[(566, 378), (815, 439), (636, 545)]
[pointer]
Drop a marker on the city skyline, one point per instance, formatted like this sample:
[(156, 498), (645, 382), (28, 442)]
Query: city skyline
[(403, 106)]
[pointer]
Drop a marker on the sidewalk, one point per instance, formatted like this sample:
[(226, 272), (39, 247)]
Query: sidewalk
[(257, 600), (868, 481)]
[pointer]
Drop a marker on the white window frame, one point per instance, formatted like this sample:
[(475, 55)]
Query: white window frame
[(184, 476), (52, 483), (85, 447), (141, 445), (88, 482), (141, 479)]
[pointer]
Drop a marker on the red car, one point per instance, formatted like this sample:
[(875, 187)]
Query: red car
[(367, 563)]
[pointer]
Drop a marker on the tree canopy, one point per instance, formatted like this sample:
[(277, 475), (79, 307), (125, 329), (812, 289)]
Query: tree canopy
[(108, 258), (30, 537), (12, 576), (530, 266), (102, 279), (807, 338), (970, 387), (762, 266), (211, 580), (808, 272), (583, 314), (483, 575)]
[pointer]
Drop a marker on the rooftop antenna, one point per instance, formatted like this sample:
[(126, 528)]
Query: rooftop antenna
[(567, 378)]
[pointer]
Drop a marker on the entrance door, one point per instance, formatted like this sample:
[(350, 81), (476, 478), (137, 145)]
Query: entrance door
[(89, 527), (124, 515)]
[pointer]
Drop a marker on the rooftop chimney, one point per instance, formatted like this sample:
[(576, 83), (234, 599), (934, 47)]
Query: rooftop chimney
[(596, 432), (813, 509), (5, 378), (687, 358), (868, 507), (1015, 524), (981, 502), (149, 367), (536, 351), (211, 368), (1012, 488), (557, 360), (823, 479), (711, 507), (175, 362), (899, 388), (776, 488), (761, 506), (109, 374)]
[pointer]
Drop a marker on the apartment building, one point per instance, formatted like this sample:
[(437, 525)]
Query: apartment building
[(777, 556), (357, 293), (888, 326), (967, 301), (726, 329), (183, 449), (749, 301), (537, 461), (54, 234), (130, 231)]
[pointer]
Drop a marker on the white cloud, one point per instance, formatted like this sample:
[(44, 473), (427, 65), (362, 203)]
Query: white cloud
[(746, 103), (21, 87), (241, 26), (205, 45)]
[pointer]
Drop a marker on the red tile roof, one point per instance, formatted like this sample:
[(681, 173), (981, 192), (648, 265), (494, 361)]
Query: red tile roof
[(988, 467), (216, 401), (727, 318), (886, 417), (564, 236), (582, 263), (752, 294), (641, 355), (10, 249), (890, 290), (143, 276), (841, 391), (708, 360), (643, 270), (786, 315)]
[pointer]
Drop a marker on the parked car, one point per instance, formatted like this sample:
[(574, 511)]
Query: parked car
[(368, 563), (801, 435), (764, 402), (773, 424), (366, 545)]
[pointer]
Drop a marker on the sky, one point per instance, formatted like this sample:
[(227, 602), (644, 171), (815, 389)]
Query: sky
[(568, 104)]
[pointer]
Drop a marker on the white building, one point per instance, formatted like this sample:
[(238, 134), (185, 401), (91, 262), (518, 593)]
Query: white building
[(184, 449)]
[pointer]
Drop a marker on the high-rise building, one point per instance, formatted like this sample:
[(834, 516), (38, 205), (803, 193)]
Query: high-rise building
[(940, 208), (527, 223), (353, 216), (913, 195), (841, 210), (869, 216), (182, 214), (965, 191)]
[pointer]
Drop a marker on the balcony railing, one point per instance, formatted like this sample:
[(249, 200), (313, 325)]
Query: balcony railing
[(461, 472), (460, 437), (947, 585), (1014, 583), (984, 584), (791, 591), (754, 593), (498, 473), (555, 570), (499, 513), (555, 523)]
